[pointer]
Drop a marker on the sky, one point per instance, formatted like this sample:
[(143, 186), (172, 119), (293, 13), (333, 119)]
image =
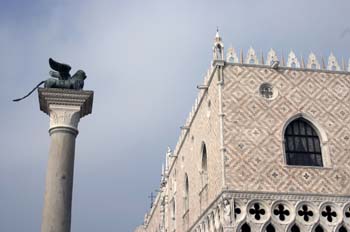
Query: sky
[(143, 60)]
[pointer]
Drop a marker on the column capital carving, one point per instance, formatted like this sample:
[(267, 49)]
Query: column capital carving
[(65, 106), (63, 116)]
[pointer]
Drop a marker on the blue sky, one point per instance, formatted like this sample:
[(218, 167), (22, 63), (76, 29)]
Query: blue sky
[(143, 59)]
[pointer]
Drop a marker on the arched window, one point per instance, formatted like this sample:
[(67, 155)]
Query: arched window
[(302, 144), (204, 158), (204, 165), (295, 228), (245, 228), (270, 228), (319, 229), (186, 197), (342, 229), (173, 210)]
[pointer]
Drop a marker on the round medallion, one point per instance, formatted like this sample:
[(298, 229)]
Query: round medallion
[(267, 91)]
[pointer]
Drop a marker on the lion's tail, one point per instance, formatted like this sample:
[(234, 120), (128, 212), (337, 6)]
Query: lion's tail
[(18, 99)]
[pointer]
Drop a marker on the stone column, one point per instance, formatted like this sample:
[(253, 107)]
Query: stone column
[(65, 108)]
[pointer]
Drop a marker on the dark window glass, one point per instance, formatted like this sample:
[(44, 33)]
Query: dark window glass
[(245, 228), (204, 158), (295, 228), (270, 228), (319, 229), (302, 144), (187, 186), (342, 229)]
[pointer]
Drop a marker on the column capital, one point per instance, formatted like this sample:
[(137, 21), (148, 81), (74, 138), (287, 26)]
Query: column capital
[(65, 106)]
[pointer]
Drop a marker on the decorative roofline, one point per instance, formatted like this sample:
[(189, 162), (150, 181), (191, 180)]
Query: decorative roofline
[(312, 63)]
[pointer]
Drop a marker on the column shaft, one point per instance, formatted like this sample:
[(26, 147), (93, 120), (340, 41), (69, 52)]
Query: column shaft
[(59, 181)]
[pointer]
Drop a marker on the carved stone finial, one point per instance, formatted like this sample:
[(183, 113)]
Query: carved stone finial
[(251, 57), (293, 60), (312, 62), (231, 56), (169, 151), (218, 48), (333, 63), (271, 57)]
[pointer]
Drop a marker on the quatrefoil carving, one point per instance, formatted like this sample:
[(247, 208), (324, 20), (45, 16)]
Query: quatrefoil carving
[(257, 211), (281, 212), (329, 213), (305, 213)]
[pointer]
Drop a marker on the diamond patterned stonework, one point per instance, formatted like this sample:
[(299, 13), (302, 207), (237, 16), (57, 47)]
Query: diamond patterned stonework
[(323, 102), (242, 115)]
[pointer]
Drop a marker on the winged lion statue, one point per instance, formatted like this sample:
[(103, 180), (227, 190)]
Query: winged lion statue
[(60, 78)]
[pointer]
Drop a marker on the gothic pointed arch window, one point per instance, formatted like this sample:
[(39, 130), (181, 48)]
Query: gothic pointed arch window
[(204, 165), (245, 228), (319, 229), (302, 144), (186, 195), (173, 210), (295, 228), (342, 229), (270, 228)]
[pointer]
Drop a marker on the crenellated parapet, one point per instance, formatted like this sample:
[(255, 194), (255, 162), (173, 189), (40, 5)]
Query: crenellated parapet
[(291, 61), (233, 210)]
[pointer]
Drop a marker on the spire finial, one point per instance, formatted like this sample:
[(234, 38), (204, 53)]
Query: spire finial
[(218, 49), (283, 61), (302, 61)]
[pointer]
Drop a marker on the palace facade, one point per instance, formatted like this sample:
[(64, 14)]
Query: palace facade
[(266, 147)]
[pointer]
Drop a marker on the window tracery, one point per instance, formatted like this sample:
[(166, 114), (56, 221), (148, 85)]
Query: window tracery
[(302, 144)]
